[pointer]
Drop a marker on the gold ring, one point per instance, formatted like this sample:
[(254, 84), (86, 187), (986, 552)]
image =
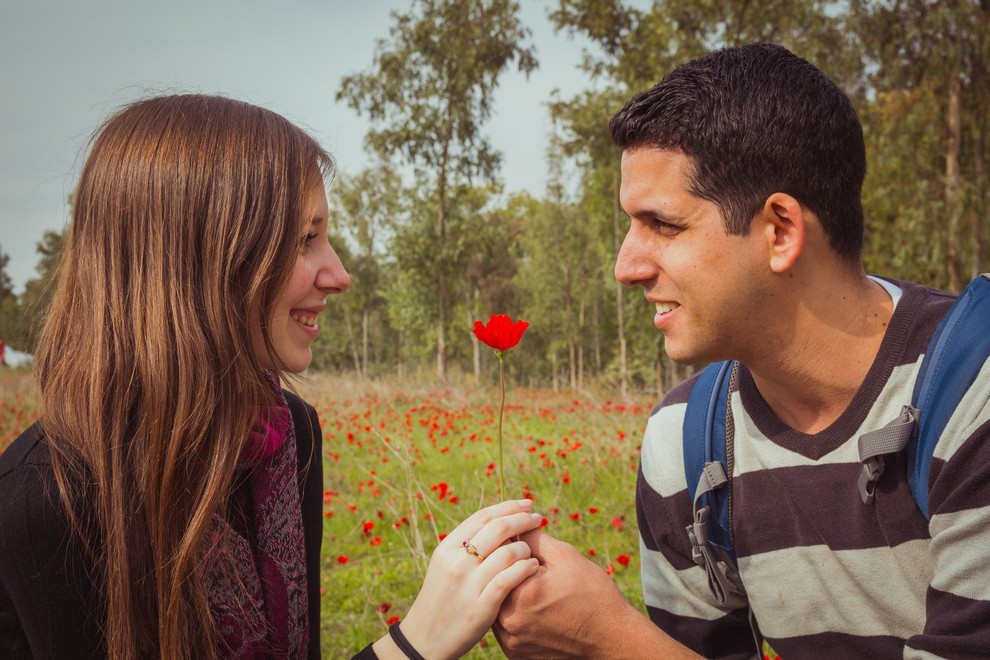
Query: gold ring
[(471, 550)]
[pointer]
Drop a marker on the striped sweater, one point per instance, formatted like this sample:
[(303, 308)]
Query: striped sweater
[(826, 575)]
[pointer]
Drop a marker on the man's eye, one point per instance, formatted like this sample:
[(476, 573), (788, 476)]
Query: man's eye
[(665, 228)]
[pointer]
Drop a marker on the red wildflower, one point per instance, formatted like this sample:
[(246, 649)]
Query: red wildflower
[(343, 559), (501, 333), (384, 608), (392, 619), (368, 526), (623, 559), (617, 522)]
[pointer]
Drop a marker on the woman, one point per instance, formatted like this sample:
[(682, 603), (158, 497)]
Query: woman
[(168, 503)]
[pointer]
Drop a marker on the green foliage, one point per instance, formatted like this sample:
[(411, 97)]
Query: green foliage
[(428, 94), (428, 259), (902, 194), (10, 309), (930, 177), (414, 462), (6, 285), (431, 85), (22, 317)]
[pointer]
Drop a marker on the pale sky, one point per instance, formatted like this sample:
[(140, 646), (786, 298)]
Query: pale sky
[(66, 64)]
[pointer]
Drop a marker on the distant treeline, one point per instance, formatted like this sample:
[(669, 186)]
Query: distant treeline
[(429, 258)]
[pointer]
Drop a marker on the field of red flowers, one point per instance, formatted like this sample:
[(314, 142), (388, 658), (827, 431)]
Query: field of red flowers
[(404, 464)]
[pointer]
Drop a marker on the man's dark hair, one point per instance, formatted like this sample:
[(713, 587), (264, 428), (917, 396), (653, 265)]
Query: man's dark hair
[(757, 120)]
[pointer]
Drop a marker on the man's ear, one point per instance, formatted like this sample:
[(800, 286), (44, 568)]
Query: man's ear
[(785, 229)]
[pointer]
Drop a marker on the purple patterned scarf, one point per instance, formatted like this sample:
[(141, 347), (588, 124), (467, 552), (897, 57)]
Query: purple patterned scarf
[(254, 568)]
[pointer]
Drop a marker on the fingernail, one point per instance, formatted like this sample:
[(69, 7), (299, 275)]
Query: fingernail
[(525, 502), (536, 517)]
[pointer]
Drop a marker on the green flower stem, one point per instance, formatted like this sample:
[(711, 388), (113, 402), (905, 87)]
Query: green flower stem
[(501, 410)]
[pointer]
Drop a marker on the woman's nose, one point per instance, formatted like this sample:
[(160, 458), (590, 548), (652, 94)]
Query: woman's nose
[(333, 277)]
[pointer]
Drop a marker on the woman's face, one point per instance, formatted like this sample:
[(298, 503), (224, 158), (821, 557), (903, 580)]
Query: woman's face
[(317, 274)]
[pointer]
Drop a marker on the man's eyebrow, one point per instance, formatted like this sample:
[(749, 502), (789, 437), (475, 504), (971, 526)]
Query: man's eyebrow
[(655, 214)]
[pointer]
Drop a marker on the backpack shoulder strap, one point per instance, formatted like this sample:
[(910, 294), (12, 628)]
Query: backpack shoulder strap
[(705, 469), (956, 354), (954, 357)]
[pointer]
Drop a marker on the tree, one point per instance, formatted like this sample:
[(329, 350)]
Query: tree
[(38, 291), (365, 210), (929, 59), (428, 93), (632, 50), (6, 285), (10, 311)]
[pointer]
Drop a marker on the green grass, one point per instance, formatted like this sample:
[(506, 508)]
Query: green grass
[(387, 450)]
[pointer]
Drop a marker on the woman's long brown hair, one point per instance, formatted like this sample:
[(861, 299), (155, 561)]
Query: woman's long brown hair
[(187, 224)]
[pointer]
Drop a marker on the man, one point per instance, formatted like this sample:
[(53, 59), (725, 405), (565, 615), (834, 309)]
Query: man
[(741, 174)]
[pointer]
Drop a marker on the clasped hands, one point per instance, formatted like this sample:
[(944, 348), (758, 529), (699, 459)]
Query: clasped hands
[(548, 600)]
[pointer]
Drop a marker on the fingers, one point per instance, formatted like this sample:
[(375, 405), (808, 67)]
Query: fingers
[(543, 546), (473, 524), (505, 581), (498, 530)]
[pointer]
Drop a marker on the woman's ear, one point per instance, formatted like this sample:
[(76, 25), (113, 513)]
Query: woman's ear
[(786, 230)]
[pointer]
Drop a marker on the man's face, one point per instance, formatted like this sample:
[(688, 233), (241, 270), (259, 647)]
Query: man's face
[(706, 284)]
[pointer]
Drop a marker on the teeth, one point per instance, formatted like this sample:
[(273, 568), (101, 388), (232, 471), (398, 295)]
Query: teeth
[(664, 307), (305, 319)]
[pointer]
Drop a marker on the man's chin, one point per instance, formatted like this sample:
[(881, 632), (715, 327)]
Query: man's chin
[(685, 356)]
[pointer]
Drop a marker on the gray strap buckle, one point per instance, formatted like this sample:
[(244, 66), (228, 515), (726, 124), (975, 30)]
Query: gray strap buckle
[(723, 578), (889, 439)]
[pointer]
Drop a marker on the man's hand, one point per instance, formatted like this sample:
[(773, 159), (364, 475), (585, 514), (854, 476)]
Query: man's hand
[(572, 609), (566, 610)]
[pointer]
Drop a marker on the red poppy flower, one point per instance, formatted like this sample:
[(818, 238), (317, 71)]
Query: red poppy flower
[(623, 559), (501, 332)]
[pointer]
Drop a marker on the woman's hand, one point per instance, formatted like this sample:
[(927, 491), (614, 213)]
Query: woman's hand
[(462, 592)]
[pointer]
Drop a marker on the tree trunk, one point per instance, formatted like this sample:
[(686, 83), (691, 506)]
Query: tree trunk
[(572, 359), (472, 314), (979, 186), (596, 323), (352, 341), (953, 198), (365, 322), (619, 305), (441, 254), (553, 371), (660, 367), (441, 350), (580, 346)]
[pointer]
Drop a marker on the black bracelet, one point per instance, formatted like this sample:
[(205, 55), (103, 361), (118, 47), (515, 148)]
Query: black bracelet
[(400, 640)]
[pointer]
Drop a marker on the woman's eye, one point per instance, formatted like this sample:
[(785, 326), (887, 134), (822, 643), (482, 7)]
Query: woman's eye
[(309, 237)]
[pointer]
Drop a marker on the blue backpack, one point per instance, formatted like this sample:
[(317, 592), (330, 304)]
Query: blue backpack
[(954, 357)]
